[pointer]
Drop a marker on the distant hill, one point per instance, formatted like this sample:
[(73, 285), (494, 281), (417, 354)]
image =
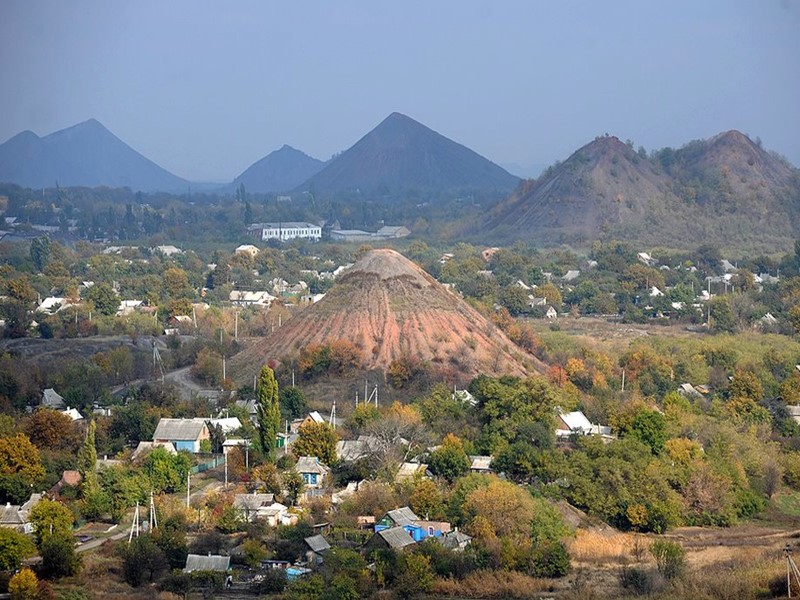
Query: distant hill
[(86, 154), (279, 171), (401, 154), (388, 308), (726, 191)]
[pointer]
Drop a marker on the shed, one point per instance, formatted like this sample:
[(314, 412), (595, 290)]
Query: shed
[(396, 538), (211, 562)]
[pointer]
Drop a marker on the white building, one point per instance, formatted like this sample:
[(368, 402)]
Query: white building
[(289, 230)]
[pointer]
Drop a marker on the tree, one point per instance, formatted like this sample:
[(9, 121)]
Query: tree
[(650, 428), (142, 560), (293, 484), (52, 430), (268, 411), (40, 252), (449, 460), (293, 402), (87, 455), (14, 547), (59, 558), (426, 500), (48, 518), (316, 439), (24, 585), (104, 298), (20, 468)]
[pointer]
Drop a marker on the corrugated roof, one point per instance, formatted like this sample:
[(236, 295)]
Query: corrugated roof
[(52, 399), (317, 543), (178, 429), (310, 464), (576, 421), (481, 463), (252, 501), (212, 562), (396, 537), (402, 516)]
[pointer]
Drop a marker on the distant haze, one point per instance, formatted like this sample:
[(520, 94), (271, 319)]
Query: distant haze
[(206, 89)]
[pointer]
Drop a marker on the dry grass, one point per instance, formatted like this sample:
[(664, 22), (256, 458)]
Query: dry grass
[(608, 547), (492, 584)]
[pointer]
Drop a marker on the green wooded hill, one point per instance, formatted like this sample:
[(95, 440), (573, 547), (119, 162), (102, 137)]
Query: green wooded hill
[(727, 191)]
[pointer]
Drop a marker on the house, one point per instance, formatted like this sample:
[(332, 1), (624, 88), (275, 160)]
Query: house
[(456, 541), (250, 505), (480, 464), (312, 417), (689, 391), (645, 258), (794, 413), (409, 470), (417, 528), (342, 495), (210, 562), (571, 275), (277, 514), (351, 235), (126, 307), (247, 249), (295, 572), (245, 298), (167, 250), (51, 399), (352, 450), (551, 313), (69, 478), (391, 232), (227, 424), (655, 292), (185, 434), (316, 546), (394, 538), (251, 406), (534, 301), (145, 447), (52, 305), (313, 472), (465, 397), (289, 230), (72, 413), (17, 517), (576, 423)]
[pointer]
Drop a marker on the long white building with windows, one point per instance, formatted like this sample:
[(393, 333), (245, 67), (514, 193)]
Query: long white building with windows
[(284, 231)]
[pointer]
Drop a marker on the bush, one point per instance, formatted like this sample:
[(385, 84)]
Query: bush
[(549, 559), (670, 558), (638, 581), (272, 582), (58, 555)]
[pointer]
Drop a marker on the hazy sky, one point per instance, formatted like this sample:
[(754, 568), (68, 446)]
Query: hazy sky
[(205, 90)]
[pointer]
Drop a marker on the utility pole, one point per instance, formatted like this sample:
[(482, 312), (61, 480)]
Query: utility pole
[(236, 326), (188, 487)]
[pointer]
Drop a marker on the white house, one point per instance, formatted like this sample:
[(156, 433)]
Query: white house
[(248, 249), (289, 230), (576, 423)]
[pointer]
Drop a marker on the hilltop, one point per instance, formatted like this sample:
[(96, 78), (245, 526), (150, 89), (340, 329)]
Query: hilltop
[(86, 154), (281, 170), (726, 190), (389, 308), (401, 154)]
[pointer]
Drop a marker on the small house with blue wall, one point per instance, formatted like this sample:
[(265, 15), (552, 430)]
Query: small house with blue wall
[(185, 434), (417, 528), (314, 473)]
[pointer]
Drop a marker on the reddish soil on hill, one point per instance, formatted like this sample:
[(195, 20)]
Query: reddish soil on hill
[(388, 308)]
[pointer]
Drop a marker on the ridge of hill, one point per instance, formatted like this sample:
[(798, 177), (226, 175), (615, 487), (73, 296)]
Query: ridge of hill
[(726, 190), (281, 170), (402, 154), (86, 154), (388, 308)]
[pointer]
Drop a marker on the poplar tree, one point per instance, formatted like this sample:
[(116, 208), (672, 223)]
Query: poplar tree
[(268, 411)]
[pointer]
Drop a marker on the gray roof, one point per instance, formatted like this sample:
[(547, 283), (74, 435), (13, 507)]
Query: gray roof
[(310, 464), (455, 539), (403, 516), (212, 562), (396, 537), (252, 501), (317, 543), (481, 463), (178, 429), (52, 399)]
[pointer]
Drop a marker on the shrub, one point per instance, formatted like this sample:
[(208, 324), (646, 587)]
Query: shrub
[(24, 585), (549, 559), (638, 581), (670, 558)]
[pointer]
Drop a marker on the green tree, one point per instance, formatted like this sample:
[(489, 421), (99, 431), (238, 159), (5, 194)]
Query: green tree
[(20, 468), (316, 439), (40, 252), (650, 428), (268, 411), (49, 517), (87, 455), (59, 558), (104, 298), (14, 547), (722, 319), (142, 560), (293, 484), (293, 402), (449, 460)]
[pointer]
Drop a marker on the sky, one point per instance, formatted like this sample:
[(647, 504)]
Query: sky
[(205, 88)]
